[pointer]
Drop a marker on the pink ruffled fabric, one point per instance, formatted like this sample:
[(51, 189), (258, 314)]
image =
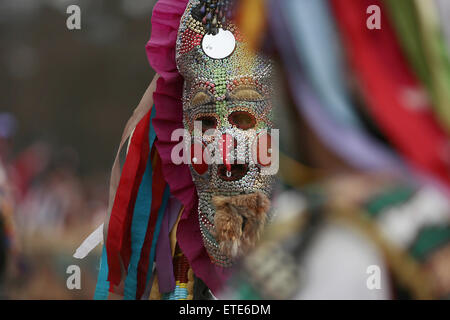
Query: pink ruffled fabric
[(169, 116)]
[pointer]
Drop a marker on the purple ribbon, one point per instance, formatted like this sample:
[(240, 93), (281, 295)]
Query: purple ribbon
[(352, 144)]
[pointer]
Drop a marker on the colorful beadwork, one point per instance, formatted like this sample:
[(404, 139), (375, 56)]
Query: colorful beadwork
[(213, 14), (233, 95), (181, 271)]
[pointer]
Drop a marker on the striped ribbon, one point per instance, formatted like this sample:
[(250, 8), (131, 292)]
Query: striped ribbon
[(140, 221)]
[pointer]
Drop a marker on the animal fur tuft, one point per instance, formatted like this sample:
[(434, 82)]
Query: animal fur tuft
[(239, 221)]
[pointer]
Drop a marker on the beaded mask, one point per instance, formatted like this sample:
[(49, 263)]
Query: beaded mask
[(227, 111)]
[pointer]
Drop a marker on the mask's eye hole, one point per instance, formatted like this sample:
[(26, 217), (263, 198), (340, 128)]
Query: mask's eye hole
[(208, 122), (242, 120)]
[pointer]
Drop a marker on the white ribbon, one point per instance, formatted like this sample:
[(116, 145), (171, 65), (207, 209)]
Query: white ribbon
[(92, 241)]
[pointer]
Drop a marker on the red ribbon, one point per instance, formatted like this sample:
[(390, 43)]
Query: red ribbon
[(158, 186), (118, 243), (385, 79)]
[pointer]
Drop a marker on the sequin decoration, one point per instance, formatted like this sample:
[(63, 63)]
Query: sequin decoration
[(213, 13), (231, 94)]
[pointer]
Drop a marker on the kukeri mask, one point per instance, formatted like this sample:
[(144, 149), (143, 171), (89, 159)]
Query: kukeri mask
[(227, 112)]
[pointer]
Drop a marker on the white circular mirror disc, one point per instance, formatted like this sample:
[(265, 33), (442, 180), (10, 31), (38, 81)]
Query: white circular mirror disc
[(219, 46)]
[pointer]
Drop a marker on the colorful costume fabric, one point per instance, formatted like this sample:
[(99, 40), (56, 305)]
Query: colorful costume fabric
[(193, 196), (407, 228), (220, 207)]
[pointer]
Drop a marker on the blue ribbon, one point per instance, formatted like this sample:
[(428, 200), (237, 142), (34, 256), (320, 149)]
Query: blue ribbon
[(102, 288), (138, 229), (139, 223), (313, 31)]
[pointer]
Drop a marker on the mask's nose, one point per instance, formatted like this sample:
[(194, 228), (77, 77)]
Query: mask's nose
[(228, 170), (227, 148)]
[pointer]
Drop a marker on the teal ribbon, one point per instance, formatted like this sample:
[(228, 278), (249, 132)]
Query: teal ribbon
[(138, 229), (141, 216), (102, 288)]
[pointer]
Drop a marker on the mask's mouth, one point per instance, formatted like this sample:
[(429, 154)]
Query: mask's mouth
[(232, 172)]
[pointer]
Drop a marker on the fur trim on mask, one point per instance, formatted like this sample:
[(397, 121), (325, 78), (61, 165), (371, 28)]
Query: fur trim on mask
[(239, 221)]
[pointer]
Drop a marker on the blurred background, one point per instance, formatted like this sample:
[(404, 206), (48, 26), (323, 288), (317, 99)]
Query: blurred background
[(365, 117), (66, 96)]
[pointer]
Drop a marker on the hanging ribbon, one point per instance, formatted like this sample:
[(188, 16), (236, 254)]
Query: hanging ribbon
[(443, 7), (158, 199), (346, 140), (385, 79), (118, 243), (140, 221), (317, 45), (438, 59), (141, 110), (417, 25), (163, 255), (103, 285), (135, 121)]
